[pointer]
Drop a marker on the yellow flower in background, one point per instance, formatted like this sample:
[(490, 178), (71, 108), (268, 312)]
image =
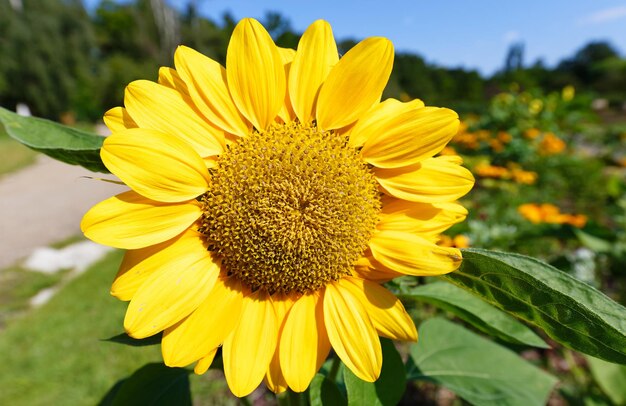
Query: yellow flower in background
[(535, 106), (568, 93), (269, 199)]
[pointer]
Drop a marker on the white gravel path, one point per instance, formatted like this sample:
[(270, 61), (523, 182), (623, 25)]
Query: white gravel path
[(43, 204)]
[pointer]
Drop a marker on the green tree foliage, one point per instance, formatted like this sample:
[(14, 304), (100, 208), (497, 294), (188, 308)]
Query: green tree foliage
[(45, 55), (56, 58)]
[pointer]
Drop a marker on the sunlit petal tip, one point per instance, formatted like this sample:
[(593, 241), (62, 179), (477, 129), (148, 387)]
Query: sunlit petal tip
[(207, 327), (258, 321), (317, 54), (433, 180), (412, 254), (395, 134), (351, 331), (131, 221), (274, 379), (157, 107), (355, 83), (170, 78), (255, 73), (385, 309), (302, 343), (204, 363), (171, 293), (155, 165), (206, 81), (138, 264), (118, 119)]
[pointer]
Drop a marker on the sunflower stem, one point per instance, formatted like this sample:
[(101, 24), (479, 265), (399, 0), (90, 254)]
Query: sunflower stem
[(245, 401), (334, 368)]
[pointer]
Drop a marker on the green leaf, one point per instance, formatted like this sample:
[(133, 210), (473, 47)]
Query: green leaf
[(476, 312), (478, 370), (611, 378), (152, 384), (593, 243), (568, 310), (389, 387), (63, 143), (125, 339), (323, 391)]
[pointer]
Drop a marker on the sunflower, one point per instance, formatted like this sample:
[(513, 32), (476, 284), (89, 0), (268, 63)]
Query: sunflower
[(268, 202)]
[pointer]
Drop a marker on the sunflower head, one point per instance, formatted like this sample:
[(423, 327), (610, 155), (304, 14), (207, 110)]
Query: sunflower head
[(270, 199)]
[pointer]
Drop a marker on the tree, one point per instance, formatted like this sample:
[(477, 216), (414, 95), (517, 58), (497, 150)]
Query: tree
[(46, 48)]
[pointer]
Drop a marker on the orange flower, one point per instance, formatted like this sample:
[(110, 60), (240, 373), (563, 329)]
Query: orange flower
[(550, 214), (485, 170), (504, 137), (532, 133), (496, 145), (458, 241), (551, 144), (530, 212)]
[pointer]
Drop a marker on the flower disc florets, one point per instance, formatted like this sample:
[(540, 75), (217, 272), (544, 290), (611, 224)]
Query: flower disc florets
[(290, 209)]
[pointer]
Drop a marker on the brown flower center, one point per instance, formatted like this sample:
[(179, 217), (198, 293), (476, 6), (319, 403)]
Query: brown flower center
[(290, 209)]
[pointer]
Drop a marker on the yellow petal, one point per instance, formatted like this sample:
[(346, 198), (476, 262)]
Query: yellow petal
[(286, 55), (256, 75), (355, 83), (351, 331), (205, 362), (317, 54), (381, 112), (206, 81), (430, 181), (131, 221), (386, 311), (369, 268), (248, 350), (170, 78), (158, 107), (118, 119), (206, 328), (274, 378), (420, 218), (139, 264), (155, 165), (171, 293), (413, 255), (304, 337), (286, 112), (405, 136)]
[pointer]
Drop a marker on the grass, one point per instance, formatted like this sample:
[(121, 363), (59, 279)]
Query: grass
[(13, 155), (55, 354), (17, 286)]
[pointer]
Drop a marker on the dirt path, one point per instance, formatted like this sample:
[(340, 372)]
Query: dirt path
[(43, 204)]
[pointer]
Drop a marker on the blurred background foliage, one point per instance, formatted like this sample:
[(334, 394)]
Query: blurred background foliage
[(66, 63)]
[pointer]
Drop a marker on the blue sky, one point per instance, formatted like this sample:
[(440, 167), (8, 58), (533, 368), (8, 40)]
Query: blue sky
[(468, 33)]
